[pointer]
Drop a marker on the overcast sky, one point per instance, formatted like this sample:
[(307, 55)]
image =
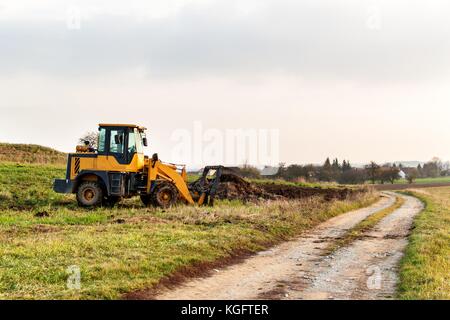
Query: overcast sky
[(355, 79)]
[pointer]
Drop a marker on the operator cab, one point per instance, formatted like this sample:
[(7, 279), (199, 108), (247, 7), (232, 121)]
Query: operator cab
[(122, 141)]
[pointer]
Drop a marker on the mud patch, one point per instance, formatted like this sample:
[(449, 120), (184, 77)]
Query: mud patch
[(275, 294), (281, 289), (44, 228), (42, 214)]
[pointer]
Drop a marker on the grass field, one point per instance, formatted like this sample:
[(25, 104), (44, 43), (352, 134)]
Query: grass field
[(426, 180), (425, 269), (128, 247)]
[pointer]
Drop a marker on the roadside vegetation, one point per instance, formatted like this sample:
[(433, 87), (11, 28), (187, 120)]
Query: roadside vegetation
[(425, 268), (129, 247)]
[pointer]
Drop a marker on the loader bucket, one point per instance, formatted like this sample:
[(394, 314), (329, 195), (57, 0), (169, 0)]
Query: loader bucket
[(204, 190)]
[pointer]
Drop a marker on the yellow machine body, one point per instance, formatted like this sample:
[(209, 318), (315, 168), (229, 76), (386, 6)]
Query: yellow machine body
[(120, 167), (104, 163)]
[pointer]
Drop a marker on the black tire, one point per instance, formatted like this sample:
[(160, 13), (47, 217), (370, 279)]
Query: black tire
[(89, 194), (165, 195)]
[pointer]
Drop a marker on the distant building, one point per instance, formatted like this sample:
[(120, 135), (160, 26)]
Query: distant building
[(269, 171), (402, 174)]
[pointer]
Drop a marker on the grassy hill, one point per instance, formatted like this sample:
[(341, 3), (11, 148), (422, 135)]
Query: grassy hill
[(31, 153)]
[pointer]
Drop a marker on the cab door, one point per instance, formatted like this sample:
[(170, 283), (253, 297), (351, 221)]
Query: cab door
[(120, 149), (117, 145)]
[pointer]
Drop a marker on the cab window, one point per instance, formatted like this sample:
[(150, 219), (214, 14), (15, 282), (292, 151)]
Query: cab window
[(101, 146), (131, 143), (117, 141), (139, 146)]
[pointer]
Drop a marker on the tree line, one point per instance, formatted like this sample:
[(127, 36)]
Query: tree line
[(344, 173)]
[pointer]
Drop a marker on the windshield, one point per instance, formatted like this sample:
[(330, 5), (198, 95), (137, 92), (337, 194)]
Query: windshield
[(139, 145), (135, 142), (117, 143)]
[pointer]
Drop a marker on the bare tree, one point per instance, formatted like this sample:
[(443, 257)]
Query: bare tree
[(412, 175), (372, 171), (91, 137), (249, 171), (388, 174)]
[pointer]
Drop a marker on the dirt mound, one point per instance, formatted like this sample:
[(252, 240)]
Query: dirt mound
[(233, 187), (298, 192)]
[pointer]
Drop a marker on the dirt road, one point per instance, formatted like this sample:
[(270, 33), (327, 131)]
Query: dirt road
[(298, 269)]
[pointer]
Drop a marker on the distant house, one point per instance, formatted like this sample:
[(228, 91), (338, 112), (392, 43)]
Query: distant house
[(402, 174), (269, 171), (408, 170)]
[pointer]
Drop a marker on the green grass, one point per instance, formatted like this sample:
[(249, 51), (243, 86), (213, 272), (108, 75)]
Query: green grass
[(425, 268), (421, 181), (27, 186), (427, 180), (128, 247)]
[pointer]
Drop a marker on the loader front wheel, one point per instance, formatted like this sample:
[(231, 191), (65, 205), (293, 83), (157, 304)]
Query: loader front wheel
[(89, 194), (165, 195)]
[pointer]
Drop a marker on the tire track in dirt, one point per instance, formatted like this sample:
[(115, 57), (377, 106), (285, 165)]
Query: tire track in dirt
[(279, 272)]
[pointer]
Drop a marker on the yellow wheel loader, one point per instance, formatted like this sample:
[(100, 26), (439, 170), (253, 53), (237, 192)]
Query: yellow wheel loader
[(119, 169)]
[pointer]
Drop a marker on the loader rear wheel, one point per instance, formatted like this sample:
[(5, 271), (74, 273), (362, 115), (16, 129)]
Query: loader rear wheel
[(165, 195), (89, 194)]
